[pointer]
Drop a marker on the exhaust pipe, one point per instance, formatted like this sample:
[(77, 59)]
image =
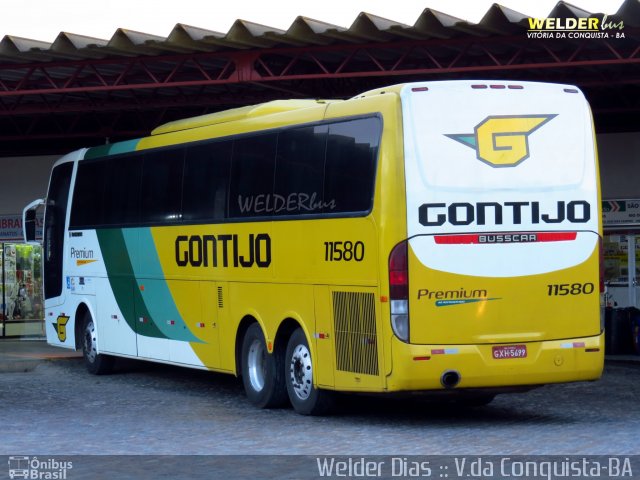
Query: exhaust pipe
[(450, 379)]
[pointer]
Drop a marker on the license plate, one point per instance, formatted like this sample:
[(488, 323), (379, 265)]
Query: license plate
[(509, 351)]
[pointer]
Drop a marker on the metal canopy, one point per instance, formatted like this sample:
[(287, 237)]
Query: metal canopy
[(82, 91)]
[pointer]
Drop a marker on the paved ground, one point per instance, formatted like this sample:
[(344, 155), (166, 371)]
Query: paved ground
[(24, 355), (59, 409)]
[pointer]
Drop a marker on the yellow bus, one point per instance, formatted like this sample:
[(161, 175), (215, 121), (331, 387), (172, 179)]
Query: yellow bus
[(434, 236)]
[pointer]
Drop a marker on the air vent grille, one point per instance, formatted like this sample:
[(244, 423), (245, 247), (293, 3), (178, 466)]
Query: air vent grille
[(220, 298), (355, 332)]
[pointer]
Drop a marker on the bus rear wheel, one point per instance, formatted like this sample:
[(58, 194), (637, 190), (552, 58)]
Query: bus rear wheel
[(96, 363), (305, 398), (262, 372)]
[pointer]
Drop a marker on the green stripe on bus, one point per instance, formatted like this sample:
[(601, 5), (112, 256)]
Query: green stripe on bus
[(121, 278), (112, 149), (157, 297)]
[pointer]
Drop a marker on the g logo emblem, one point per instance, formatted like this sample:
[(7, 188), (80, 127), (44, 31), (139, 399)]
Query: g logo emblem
[(61, 327), (502, 140)]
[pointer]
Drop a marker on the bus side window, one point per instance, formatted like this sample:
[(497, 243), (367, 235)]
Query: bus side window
[(252, 169), (299, 180), (122, 191), (161, 194), (206, 181), (352, 151), (88, 190)]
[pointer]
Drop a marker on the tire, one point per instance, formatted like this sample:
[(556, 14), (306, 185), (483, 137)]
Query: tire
[(96, 363), (305, 398), (262, 373)]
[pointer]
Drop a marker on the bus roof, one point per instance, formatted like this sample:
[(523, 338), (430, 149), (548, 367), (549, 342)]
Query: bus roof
[(250, 111), (381, 91)]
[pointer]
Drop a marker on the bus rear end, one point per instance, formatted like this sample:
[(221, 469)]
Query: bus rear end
[(498, 283)]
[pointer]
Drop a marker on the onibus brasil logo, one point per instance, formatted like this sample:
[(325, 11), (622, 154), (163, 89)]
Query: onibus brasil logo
[(32, 467), (502, 140)]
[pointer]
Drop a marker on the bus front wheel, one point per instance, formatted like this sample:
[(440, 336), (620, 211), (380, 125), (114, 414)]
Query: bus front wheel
[(97, 363), (305, 398), (262, 372)]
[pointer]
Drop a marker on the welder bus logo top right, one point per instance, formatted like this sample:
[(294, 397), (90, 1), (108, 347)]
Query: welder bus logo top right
[(590, 27)]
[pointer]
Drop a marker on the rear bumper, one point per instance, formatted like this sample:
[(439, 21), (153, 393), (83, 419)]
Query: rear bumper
[(420, 367)]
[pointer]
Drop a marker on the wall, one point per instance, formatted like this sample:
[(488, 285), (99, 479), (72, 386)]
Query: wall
[(620, 164), (23, 179)]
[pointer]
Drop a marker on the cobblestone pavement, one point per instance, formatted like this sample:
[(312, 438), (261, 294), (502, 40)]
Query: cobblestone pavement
[(143, 408)]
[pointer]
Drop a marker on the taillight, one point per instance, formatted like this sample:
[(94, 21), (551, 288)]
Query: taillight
[(399, 291)]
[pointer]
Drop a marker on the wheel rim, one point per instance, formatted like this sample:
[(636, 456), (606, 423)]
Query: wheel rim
[(90, 342), (301, 372), (257, 363)]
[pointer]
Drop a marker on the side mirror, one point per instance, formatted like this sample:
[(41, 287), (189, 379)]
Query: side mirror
[(29, 220)]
